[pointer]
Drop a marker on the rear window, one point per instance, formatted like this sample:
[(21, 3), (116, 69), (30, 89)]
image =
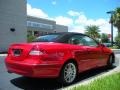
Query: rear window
[(47, 38)]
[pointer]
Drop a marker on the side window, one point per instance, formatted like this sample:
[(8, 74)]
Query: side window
[(89, 41), (76, 39)]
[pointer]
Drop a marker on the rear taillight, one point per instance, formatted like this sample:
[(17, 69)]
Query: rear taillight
[(36, 51)]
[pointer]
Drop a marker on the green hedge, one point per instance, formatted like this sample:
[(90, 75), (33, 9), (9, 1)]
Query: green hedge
[(30, 38)]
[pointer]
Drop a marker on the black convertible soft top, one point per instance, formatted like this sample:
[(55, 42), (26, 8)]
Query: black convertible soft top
[(60, 37)]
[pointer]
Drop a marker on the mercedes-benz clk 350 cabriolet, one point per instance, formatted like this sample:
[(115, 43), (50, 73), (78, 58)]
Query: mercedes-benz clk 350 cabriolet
[(58, 55)]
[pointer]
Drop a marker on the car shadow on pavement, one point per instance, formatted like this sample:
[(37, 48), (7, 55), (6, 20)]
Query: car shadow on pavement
[(52, 84)]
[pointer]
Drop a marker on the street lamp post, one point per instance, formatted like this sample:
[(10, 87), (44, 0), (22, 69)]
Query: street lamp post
[(111, 12)]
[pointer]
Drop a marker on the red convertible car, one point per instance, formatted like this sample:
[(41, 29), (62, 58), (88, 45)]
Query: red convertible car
[(58, 55)]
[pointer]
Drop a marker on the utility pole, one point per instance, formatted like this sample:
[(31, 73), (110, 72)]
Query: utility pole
[(111, 13)]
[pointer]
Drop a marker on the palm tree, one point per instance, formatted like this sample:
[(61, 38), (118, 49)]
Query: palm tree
[(104, 38), (115, 19), (92, 31)]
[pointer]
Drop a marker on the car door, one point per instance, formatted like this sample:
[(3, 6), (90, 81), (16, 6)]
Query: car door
[(80, 52), (94, 51)]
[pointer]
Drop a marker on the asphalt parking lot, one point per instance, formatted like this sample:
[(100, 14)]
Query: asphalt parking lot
[(17, 82)]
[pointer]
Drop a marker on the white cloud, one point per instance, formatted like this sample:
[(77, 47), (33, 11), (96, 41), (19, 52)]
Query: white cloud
[(98, 22), (63, 20), (103, 24), (73, 13), (54, 2), (104, 28), (35, 12), (76, 28), (75, 25), (41, 14), (81, 19)]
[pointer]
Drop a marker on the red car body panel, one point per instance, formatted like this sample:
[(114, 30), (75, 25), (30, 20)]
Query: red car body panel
[(53, 57)]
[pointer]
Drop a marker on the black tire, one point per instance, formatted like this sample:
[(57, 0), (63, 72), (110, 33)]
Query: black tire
[(110, 61), (69, 71)]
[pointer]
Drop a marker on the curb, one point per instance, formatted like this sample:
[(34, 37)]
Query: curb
[(116, 50)]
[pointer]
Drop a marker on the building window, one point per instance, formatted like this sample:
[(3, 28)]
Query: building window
[(40, 25), (36, 33)]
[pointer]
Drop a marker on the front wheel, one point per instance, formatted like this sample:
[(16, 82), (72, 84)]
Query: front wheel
[(68, 73), (110, 61)]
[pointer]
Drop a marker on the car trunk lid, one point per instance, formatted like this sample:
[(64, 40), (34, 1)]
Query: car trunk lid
[(19, 51)]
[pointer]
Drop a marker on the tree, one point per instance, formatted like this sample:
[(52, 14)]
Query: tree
[(93, 31), (104, 38), (115, 19), (117, 40)]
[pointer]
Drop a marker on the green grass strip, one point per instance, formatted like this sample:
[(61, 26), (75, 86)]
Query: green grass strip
[(111, 82)]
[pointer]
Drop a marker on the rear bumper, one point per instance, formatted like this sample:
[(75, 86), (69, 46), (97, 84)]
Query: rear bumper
[(34, 70)]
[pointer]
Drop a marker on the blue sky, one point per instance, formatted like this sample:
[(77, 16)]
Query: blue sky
[(74, 13)]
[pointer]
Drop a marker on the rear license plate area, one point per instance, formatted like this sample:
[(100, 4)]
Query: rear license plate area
[(17, 52)]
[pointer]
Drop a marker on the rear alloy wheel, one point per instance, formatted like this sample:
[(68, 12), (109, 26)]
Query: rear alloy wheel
[(110, 61), (68, 73)]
